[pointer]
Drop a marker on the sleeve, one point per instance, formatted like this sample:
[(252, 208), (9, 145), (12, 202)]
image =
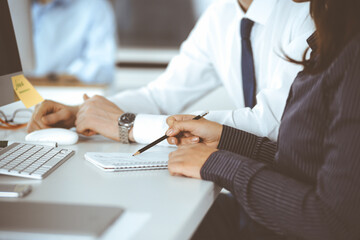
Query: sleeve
[(154, 127), (326, 209), (248, 145), (97, 63)]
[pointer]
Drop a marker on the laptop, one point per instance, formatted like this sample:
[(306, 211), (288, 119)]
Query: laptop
[(32, 220)]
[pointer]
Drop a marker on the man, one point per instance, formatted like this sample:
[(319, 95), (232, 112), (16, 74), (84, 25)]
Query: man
[(74, 40), (213, 55)]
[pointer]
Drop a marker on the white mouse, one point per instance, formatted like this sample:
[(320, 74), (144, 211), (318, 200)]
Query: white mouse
[(60, 135)]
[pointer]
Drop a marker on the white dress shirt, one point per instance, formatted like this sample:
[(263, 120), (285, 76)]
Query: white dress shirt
[(210, 57), (75, 37)]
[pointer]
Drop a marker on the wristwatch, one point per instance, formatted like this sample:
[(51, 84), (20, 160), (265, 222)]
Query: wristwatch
[(125, 122)]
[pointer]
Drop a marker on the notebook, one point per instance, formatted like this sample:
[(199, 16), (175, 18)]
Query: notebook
[(117, 161)]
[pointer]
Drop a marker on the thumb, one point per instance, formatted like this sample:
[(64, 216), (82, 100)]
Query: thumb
[(85, 97), (56, 117)]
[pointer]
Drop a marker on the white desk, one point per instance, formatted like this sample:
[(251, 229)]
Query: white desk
[(176, 204), (146, 55)]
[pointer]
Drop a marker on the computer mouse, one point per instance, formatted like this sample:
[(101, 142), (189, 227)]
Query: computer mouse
[(60, 135)]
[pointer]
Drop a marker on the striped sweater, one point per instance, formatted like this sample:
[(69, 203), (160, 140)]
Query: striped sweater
[(307, 184)]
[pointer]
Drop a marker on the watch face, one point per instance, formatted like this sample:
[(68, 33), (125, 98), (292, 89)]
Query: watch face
[(127, 118)]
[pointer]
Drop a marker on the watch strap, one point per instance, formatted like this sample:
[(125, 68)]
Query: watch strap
[(123, 134)]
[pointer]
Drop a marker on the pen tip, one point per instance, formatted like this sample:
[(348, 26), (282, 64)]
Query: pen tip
[(137, 153)]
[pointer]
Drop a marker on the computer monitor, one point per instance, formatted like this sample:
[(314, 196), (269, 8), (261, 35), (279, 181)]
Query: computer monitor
[(20, 12), (10, 64), (153, 24)]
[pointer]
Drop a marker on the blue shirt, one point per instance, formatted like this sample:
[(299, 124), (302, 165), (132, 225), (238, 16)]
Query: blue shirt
[(75, 37)]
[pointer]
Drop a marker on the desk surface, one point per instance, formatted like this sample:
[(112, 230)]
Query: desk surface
[(176, 204)]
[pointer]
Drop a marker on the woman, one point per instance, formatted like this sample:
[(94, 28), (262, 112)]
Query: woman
[(307, 184)]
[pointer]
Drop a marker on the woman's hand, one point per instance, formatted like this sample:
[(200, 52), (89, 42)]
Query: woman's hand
[(187, 160), (183, 130)]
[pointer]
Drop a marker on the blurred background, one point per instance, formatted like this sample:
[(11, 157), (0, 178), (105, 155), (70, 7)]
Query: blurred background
[(104, 46), (149, 34), (156, 23)]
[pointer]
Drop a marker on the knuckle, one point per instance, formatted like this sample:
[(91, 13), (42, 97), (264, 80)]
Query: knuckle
[(29, 128), (171, 169), (38, 106), (97, 97), (79, 128), (47, 102), (171, 172), (88, 111)]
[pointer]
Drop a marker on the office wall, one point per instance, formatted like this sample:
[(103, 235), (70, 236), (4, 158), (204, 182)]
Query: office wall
[(156, 23), (151, 31), (153, 23)]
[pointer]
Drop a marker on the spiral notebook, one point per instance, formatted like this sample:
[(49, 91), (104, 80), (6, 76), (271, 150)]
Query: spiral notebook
[(116, 161)]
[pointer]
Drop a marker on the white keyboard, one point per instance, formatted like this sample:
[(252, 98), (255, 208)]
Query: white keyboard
[(31, 161)]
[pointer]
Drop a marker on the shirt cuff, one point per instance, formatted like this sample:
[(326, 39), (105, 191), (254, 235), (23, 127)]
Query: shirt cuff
[(221, 168), (147, 128)]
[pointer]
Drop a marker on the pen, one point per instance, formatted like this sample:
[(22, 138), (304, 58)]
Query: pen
[(164, 137), (9, 142)]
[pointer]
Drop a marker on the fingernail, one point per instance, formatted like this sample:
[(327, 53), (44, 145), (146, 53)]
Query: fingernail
[(169, 132), (172, 141), (195, 139)]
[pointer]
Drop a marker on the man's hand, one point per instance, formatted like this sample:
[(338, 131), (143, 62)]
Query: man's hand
[(52, 114), (98, 115), (183, 130), (189, 159)]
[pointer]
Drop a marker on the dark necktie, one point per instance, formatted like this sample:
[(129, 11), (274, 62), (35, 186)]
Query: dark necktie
[(247, 63)]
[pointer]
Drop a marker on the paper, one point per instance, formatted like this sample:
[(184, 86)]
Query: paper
[(25, 91), (125, 161)]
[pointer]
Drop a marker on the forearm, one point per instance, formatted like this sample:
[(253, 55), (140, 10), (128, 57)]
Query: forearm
[(247, 144), (280, 203)]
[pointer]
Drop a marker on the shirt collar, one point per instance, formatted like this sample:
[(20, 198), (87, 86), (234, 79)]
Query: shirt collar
[(259, 10)]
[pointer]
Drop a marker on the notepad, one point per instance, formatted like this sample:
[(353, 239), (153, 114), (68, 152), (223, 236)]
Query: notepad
[(116, 161)]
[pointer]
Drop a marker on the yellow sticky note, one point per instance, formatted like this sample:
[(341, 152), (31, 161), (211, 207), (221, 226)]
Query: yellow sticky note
[(25, 91)]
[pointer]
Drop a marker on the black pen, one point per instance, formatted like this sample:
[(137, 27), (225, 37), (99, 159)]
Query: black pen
[(164, 137)]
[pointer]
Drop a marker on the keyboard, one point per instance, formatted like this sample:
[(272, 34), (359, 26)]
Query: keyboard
[(31, 161)]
